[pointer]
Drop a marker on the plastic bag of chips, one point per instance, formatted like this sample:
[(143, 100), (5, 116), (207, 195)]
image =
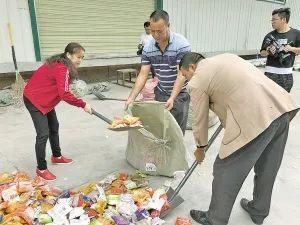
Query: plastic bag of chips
[(183, 221)]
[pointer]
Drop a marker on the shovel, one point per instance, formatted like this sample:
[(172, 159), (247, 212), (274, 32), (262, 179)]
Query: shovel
[(173, 198), (110, 122)]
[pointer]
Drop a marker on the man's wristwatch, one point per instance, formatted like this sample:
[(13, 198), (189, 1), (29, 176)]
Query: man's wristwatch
[(203, 146)]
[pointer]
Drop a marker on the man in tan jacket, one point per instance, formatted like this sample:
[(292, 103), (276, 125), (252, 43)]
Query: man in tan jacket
[(255, 113)]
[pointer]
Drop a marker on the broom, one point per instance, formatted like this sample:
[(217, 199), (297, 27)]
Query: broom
[(18, 86)]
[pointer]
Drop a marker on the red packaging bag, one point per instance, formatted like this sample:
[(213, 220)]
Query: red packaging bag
[(147, 93), (183, 221), (24, 186), (27, 213)]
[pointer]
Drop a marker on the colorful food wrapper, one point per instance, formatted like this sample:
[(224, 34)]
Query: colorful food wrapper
[(99, 206), (46, 206), (6, 178), (85, 219), (123, 176), (95, 222), (24, 186), (59, 211), (86, 189), (76, 212), (157, 221), (20, 176), (113, 199), (101, 194), (92, 213), (78, 200), (129, 184), (26, 213), (142, 214), (44, 218), (109, 212), (10, 193), (120, 220), (183, 221)]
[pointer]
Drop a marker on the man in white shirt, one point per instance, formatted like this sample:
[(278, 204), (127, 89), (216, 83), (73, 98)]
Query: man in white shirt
[(144, 37)]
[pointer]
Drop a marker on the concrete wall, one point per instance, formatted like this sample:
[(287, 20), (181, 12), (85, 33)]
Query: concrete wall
[(92, 69), (88, 74), (17, 13), (231, 25)]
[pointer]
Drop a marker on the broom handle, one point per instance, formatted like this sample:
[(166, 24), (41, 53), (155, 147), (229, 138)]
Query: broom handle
[(190, 170), (12, 46)]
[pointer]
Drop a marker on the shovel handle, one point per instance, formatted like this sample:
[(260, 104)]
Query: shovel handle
[(101, 117), (192, 168)]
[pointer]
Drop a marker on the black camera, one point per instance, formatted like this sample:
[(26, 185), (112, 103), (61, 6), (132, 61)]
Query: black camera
[(279, 52)]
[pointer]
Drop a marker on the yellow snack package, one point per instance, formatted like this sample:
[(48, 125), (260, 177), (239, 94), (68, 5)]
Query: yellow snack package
[(100, 206)]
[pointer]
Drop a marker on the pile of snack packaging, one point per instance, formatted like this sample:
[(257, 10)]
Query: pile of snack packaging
[(125, 121), (119, 199)]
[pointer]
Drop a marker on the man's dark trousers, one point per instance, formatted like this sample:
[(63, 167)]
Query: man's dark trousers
[(286, 81), (265, 154)]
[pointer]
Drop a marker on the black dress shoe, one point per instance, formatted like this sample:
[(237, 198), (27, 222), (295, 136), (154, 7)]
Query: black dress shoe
[(200, 217), (244, 203)]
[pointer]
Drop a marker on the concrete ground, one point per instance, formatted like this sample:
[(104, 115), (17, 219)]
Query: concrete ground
[(98, 151)]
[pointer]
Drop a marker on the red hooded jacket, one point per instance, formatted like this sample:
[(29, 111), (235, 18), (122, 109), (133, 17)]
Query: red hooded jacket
[(49, 85)]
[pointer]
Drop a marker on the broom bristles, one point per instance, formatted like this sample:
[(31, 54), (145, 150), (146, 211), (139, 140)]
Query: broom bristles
[(17, 90)]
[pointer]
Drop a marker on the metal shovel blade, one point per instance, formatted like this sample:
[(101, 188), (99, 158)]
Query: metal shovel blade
[(175, 201)]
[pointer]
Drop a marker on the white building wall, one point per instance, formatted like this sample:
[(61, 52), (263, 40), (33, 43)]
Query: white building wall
[(17, 13), (225, 25)]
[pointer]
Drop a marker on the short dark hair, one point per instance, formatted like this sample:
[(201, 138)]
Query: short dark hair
[(159, 14), (190, 58), (146, 24), (283, 13)]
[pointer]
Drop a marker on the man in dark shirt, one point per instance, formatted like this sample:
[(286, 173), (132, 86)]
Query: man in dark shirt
[(280, 46)]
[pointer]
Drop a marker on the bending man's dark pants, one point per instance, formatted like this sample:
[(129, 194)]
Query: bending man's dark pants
[(264, 153)]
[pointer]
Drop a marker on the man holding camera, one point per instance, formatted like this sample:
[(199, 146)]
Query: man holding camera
[(280, 46)]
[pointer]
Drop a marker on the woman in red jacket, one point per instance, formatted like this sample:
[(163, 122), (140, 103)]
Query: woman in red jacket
[(46, 88)]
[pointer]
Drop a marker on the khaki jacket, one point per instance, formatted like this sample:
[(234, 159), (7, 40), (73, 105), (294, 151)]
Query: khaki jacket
[(243, 98)]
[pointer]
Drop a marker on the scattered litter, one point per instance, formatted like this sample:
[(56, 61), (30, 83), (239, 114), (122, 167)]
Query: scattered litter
[(120, 199), (183, 221)]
